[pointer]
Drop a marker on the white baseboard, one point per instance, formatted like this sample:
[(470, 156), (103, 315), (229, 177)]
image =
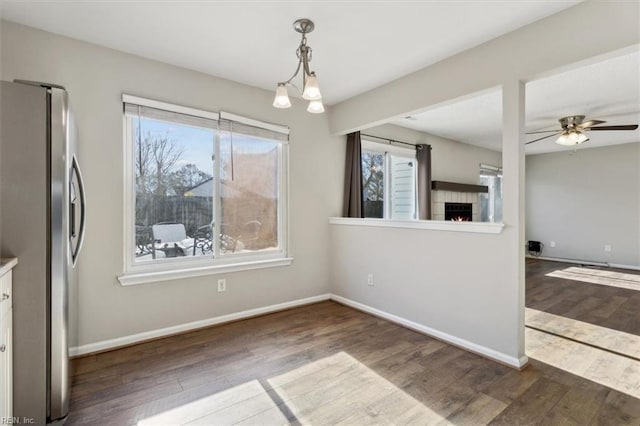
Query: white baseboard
[(168, 331), (586, 262), (456, 341), (154, 334), (617, 265), (563, 260)]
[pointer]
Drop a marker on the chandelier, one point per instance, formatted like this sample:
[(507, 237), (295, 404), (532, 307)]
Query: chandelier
[(311, 90)]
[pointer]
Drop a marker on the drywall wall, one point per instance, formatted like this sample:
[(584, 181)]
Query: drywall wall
[(433, 278), (461, 284), (96, 77), (451, 161), (506, 61), (584, 200)]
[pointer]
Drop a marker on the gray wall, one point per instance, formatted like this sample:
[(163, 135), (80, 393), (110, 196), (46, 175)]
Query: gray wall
[(467, 286), (451, 161), (584, 200), (433, 278), (96, 77), (495, 303)]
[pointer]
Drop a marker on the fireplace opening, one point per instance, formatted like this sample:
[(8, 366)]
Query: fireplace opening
[(459, 212)]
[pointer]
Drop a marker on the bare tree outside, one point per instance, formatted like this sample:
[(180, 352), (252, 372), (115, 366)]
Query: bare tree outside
[(186, 177), (165, 153), (160, 185), (155, 158), (373, 183), (373, 176), (143, 165)]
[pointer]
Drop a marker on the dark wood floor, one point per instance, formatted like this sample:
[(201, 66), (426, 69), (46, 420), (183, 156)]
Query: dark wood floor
[(437, 380), (610, 307)]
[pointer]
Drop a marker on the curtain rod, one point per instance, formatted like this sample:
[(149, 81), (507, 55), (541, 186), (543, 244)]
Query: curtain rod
[(392, 141)]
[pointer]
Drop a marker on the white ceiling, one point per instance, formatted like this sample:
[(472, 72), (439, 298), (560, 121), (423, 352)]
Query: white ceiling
[(607, 90), (357, 45)]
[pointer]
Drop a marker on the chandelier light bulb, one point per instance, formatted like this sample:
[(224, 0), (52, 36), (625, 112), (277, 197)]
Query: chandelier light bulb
[(311, 90), (282, 97), (315, 107)]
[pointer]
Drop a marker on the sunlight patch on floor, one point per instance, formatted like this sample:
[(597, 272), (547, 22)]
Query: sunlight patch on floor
[(336, 389), (219, 408), (608, 369), (613, 340), (598, 276), (349, 392)]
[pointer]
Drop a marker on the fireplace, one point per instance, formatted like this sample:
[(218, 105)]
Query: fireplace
[(461, 212)]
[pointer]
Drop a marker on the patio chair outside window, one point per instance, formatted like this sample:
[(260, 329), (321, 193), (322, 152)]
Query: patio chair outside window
[(171, 238), (203, 239)]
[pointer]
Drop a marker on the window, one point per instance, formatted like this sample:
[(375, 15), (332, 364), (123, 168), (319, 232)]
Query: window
[(388, 181), (491, 202), (203, 189)]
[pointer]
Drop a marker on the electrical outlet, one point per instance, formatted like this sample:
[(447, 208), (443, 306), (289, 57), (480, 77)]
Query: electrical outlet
[(370, 280), (552, 244), (222, 285), (607, 248)]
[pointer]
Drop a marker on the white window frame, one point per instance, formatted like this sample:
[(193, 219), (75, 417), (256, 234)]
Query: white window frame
[(183, 267), (491, 196), (383, 148)]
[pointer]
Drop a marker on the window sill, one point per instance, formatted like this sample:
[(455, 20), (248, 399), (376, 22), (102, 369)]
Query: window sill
[(136, 278), (432, 225)]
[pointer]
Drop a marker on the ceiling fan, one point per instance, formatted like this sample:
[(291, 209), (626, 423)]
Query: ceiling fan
[(574, 128)]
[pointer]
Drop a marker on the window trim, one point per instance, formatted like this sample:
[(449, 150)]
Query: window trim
[(175, 268), (130, 99), (137, 278), (398, 151), (496, 171)]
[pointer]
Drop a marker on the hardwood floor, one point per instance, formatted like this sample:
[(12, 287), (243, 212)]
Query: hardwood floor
[(327, 364), (607, 306), (614, 341)]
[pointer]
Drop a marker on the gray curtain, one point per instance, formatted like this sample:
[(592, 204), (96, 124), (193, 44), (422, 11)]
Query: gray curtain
[(423, 154), (353, 177)]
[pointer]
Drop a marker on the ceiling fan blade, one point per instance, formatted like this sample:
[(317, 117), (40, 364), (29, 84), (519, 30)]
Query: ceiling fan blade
[(590, 123), (544, 137), (543, 131), (623, 127)]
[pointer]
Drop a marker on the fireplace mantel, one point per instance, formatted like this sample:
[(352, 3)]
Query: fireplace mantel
[(439, 185)]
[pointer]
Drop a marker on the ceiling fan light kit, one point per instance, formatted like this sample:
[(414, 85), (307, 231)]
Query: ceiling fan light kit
[(311, 88), (574, 128), (572, 138)]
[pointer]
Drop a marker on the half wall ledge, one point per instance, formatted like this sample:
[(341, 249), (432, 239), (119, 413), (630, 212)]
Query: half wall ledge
[(430, 225)]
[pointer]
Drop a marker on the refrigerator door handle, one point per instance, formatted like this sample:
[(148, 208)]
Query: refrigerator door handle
[(72, 209), (83, 207)]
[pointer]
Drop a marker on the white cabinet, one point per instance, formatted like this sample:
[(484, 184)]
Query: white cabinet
[(6, 349)]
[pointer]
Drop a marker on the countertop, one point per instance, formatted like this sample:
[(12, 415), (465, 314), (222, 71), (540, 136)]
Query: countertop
[(6, 264)]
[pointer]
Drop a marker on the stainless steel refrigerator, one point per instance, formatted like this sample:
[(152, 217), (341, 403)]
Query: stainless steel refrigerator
[(42, 221)]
